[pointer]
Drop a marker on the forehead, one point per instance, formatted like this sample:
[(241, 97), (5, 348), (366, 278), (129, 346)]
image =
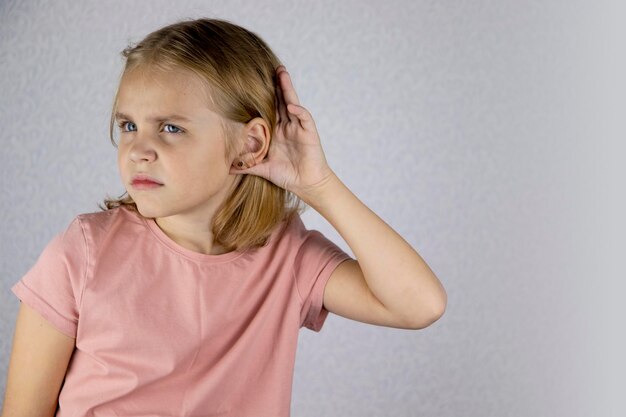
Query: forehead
[(163, 91)]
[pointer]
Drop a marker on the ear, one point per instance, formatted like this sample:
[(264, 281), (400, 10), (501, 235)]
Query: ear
[(256, 143)]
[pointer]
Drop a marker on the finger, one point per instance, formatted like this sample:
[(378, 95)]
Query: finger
[(289, 93), (260, 170), (281, 107), (287, 86), (303, 116)]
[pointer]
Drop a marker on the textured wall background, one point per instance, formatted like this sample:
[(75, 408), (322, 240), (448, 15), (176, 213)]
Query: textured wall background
[(489, 133)]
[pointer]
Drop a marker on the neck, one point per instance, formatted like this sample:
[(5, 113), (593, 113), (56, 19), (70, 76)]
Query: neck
[(195, 236)]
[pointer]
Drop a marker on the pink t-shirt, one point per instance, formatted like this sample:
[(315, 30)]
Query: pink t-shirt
[(164, 331)]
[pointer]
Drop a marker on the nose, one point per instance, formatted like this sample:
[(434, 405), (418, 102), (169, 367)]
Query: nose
[(142, 149)]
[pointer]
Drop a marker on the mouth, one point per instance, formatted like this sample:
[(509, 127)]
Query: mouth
[(142, 182)]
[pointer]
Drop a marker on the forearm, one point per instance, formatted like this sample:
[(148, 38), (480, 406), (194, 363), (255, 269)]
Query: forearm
[(394, 271)]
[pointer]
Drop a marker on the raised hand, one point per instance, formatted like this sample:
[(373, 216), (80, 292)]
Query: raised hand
[(295, 160), (388, 284)]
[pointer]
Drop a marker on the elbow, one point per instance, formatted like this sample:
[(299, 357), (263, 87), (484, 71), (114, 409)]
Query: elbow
[(434, 313), (439, 310), (424, 322)]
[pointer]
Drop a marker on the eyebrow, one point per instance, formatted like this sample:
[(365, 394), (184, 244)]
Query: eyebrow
[(177, 117)]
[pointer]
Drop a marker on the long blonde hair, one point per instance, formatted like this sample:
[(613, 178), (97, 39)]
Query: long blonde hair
[(239, 69)]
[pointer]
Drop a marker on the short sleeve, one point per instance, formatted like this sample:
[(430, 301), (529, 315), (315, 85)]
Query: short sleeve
[(316, 259), (52, 287)]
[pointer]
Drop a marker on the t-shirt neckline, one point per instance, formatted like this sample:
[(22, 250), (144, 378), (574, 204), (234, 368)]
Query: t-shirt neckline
[(188, 253)]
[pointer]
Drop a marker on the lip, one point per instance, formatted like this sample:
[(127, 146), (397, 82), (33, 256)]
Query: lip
[(145, 182)]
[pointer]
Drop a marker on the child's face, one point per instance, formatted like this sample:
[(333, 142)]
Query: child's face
[(187, 157)]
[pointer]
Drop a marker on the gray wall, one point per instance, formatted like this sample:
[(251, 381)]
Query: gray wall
[(487, 133)]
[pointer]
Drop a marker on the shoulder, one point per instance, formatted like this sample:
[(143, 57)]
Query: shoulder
[(293, 238), (290, 232), (284, 242), (103, 219), (81, 246), (89, 229)]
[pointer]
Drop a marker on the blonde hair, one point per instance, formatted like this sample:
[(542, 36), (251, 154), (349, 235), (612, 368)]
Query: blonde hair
[(240, 72)]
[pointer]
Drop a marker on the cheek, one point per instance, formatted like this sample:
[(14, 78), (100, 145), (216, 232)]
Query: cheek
[(121, 161), (212, 161)]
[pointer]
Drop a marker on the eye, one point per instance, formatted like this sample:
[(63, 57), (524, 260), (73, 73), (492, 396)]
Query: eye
[(130, 125), (173, 130)]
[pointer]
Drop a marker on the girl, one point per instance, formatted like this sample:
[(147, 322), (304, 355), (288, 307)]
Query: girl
[(185, 297)]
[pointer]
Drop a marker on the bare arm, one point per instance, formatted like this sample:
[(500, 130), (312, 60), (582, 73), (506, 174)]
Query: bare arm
[(37, 367), (389, 284)]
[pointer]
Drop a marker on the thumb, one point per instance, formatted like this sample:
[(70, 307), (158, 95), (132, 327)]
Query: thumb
[(260, 170)]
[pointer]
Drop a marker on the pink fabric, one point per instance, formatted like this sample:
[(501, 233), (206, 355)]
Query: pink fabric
[(164, 331)]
